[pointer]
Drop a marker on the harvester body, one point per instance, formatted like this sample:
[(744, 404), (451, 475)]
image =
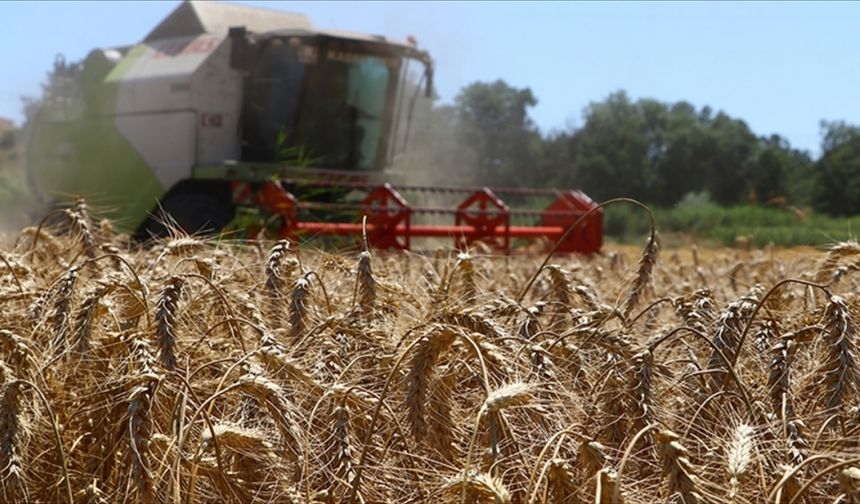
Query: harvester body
[(223, 107)]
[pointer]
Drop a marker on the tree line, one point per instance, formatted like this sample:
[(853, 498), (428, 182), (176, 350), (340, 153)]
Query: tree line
[(650, 150)]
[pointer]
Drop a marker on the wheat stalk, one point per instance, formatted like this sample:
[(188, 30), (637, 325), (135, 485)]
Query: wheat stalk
[(465, 266), (81, 223), (849, 483), (272, 396), (727, 338), (839, 375), (236, 438), (677, 469), (834, 255), (479, 488), (299, 308), (86, 316), (11, 464), (508, 396), (607, 486), (92, 494), (643, 275), (139, 421), (366, 284), (342, 461), (642, 391), (166, 314), (18, 353), (561, 483), (320, 411), (62, 308), (278, 268), (588, 297), (739, 456), (440, 421), (790, 485), (425, 356)]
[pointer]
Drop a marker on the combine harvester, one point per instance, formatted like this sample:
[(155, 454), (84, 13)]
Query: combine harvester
[(225, 108)]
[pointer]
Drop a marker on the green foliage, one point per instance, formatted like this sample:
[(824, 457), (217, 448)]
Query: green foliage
[(297, 156), (654, 151), (712, 224), (837, 189), (7, 140), (657, 152), (493, 120)]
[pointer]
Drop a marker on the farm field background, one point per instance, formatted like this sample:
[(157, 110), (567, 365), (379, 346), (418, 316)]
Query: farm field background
[(705, 224), (204, 371)]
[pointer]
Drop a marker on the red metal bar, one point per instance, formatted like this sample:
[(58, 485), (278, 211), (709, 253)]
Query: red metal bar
[(428, 230), (514, 212), (421, 188)]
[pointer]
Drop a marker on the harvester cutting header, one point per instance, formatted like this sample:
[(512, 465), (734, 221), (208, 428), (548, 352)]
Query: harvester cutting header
[(226, 111)]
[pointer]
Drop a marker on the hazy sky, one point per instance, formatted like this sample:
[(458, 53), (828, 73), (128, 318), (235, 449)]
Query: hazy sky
[(782, 67)]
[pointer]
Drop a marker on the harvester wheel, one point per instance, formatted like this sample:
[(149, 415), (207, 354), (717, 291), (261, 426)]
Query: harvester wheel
[(196, 210)]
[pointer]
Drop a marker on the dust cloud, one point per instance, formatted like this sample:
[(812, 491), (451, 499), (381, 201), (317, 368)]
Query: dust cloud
[(430, 152)]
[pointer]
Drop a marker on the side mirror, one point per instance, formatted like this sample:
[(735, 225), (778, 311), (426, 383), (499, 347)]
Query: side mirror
[(239, 48)]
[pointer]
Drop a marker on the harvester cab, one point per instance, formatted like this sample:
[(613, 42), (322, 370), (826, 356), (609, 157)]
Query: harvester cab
[(322, 98), (226, 109)]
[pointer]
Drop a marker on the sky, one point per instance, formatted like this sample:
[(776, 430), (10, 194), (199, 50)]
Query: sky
[(781, 67)]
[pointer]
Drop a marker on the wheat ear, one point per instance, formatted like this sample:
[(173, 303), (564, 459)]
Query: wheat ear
[(677, 469), (440, 421), (739, 457), (11, 464), (62, 308), (299, 308), (366, 286), (642, 392), (561, 483), (278, 268), (839, 370), (479, 488), (834, 255), (271, 395), (86, 316), (82, 226), (465, 266), (643, 275), (166, 314), (849, 483), (424, 358)]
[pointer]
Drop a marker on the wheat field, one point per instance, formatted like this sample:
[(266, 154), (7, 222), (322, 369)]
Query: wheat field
[(196, 370)]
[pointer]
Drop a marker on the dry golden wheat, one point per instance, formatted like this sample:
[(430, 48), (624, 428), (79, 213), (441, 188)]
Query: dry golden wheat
[(194, 370)]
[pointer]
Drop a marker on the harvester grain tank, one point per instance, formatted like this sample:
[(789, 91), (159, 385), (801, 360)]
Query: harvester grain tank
[(224, 108)]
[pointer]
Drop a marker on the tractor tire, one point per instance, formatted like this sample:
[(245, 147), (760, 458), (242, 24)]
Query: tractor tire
[(198, 210)]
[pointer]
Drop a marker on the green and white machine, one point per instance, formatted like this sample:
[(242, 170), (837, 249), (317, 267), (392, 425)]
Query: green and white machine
[(218, 96)]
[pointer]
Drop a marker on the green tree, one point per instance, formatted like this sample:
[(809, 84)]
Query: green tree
[(683, 138), (780, 171), (610, 149), (647, 149), (493, 121), (726, 157), (659, 152), (837, 190)]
